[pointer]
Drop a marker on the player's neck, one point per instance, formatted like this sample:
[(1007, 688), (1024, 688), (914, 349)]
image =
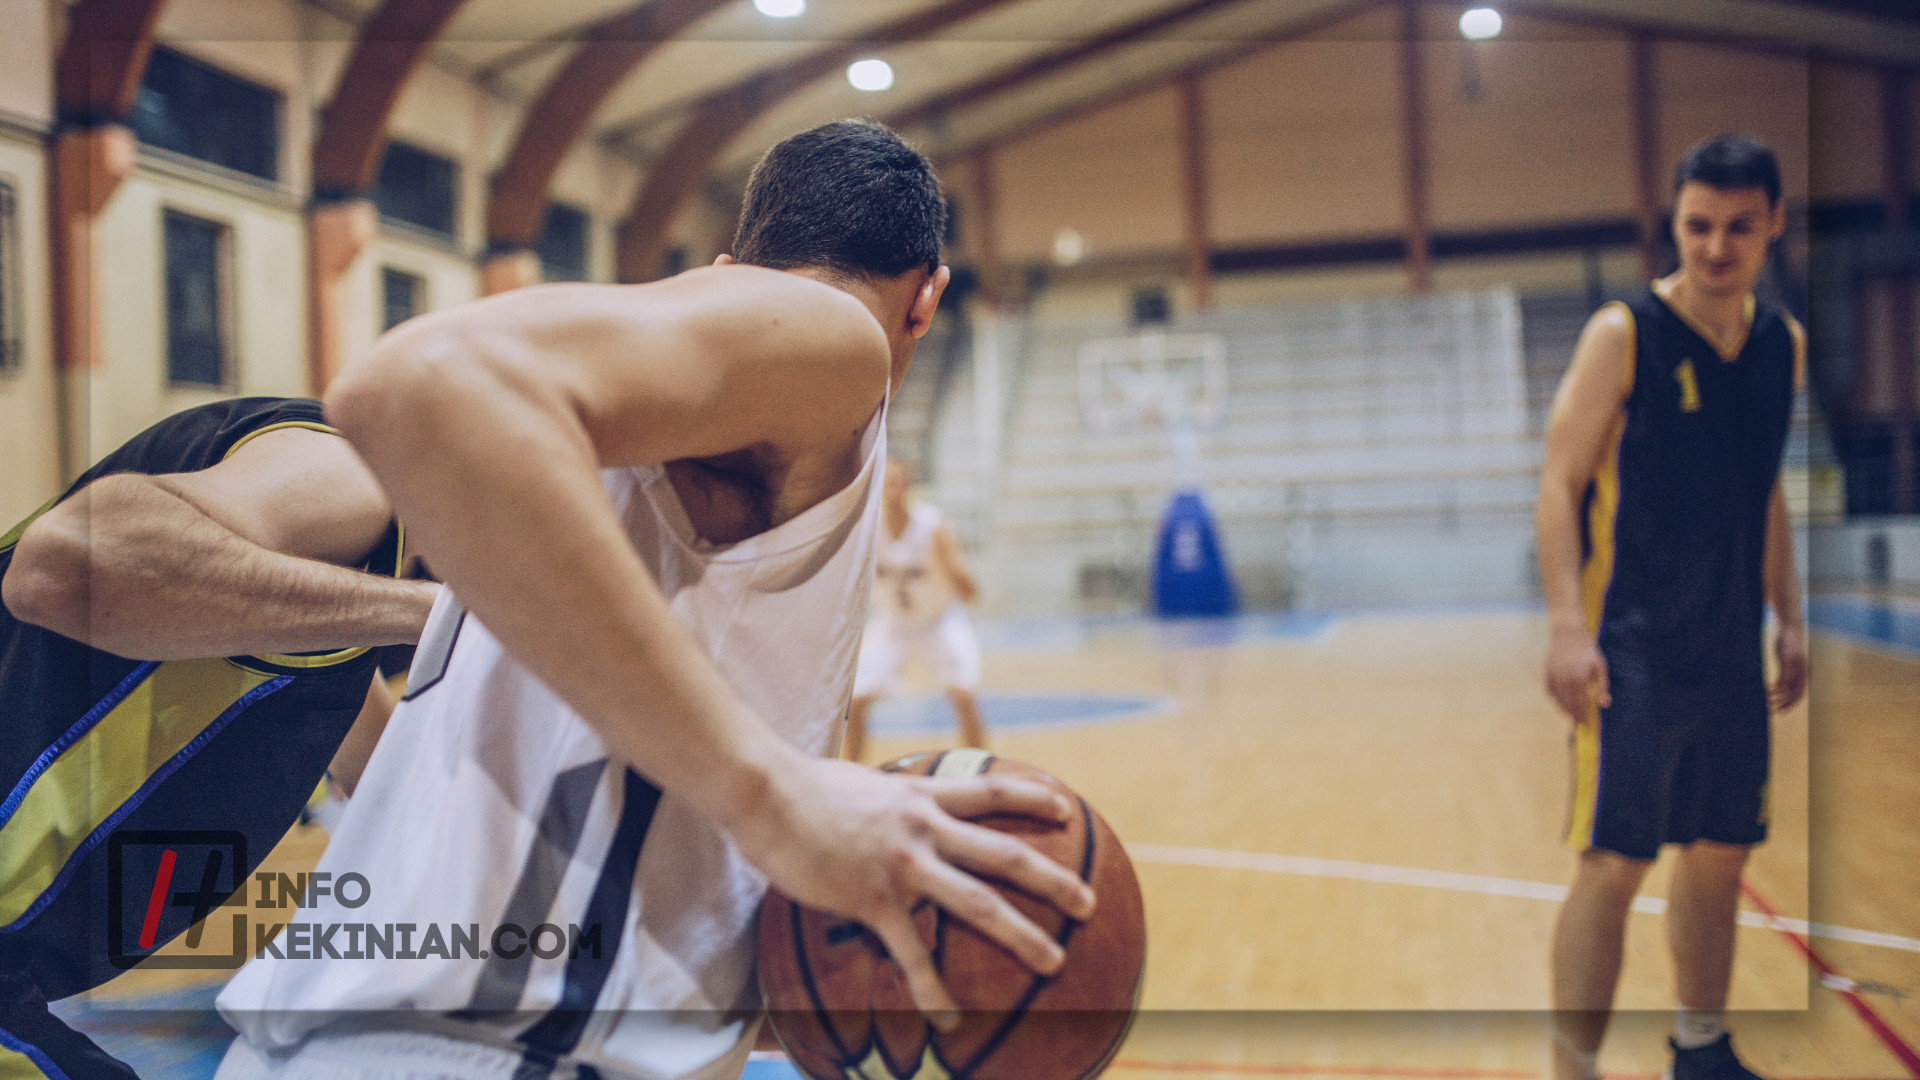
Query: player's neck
[(1722, 318), (896, 518)]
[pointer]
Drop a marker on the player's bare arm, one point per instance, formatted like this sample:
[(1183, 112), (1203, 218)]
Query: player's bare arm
[(1783, 595), (947, 553), (252, 555), (1585, 410), (489, 423)]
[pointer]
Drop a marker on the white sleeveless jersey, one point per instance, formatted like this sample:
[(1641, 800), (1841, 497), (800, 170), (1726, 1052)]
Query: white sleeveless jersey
[(909, 588), (490, 821)]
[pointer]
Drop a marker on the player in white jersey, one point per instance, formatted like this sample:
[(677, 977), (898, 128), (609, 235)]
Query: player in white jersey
[(654, 508), (921, 589)]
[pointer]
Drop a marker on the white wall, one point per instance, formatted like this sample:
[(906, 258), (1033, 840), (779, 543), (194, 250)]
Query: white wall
[(26, 68), (266, 299), (29, 459)]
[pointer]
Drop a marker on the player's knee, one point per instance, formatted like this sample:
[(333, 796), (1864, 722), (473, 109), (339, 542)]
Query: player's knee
[(1611, 872)]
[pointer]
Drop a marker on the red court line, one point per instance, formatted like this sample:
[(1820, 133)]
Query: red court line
[(1889, 1037), (152, 925), (1328, 1070), (1225, 1068)]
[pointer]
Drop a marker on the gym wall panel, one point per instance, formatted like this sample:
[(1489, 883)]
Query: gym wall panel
[(603, 186), (1113, 176), (1304, 143), (265, 301), (450, 277), (29, 451), (1528, 131), (447, 115), (26, 59), (1706, 91), (1848, 145)]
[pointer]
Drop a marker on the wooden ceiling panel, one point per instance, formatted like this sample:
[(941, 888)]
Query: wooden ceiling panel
[(1211, 38), (919, 70), (1789, 24)]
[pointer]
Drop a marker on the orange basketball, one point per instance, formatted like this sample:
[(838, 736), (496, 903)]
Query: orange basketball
[(840, 1004)]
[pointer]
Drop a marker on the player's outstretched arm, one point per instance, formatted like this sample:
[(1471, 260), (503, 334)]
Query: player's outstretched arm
[(953, 563), (489, 423), (1783, 595), (1585, 410), (248, 556)]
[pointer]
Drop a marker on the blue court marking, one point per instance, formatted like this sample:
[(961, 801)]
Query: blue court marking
[(933, 713), (771, 1069), (1891, 627), (1140, 631)]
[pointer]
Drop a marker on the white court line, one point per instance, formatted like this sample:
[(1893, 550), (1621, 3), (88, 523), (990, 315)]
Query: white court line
[(1474, 883)]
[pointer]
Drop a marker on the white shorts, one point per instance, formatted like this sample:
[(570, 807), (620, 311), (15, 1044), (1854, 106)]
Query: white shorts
[(382, 1055), (888, 644), (346, 1052)]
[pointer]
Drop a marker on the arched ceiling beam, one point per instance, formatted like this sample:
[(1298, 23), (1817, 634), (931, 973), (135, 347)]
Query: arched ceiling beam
[(609, 51), (721, 116), (1045, 64), (353, 126), (98, 72)]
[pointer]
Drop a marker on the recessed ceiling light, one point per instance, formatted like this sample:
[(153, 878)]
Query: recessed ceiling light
[(1480, 23), (780, 9), (870, 75), (1069, 246)]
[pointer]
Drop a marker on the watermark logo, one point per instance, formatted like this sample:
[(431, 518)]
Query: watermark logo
[(159, 879), (161, 882)]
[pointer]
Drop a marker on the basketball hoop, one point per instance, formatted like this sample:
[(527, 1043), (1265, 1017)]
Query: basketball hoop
[(1153, 380)]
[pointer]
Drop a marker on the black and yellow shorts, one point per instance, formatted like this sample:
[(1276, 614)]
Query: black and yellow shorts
[(1671, 762)]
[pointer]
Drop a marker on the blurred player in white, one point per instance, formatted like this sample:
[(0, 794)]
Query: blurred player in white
[(921, 587)]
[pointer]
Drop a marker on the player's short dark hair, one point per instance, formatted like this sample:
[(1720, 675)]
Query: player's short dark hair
[(849, 196), (1731, 162)]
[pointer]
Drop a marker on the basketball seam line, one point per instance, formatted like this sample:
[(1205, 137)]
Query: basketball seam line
[(1038, 982)]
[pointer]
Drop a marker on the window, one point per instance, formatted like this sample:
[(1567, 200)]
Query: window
[(402, 296), (196, 300), (417, 188), (9, 282), (198, 110), (563, 244)]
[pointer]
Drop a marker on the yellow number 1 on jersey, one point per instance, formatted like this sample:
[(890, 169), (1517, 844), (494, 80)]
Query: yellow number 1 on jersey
[(1689, 388)]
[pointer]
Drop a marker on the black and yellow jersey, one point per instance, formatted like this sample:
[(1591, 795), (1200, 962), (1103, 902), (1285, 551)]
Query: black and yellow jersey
[(1675, 527), (105, 757)]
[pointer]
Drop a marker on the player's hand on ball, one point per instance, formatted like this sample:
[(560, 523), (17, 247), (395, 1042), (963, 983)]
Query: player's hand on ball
[(1576, 672), (1790, 680), (872, 847)]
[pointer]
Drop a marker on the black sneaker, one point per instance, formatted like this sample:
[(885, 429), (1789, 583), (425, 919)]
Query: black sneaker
[(1714, 1061)]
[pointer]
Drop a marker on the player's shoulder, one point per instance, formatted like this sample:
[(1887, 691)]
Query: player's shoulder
[(926, 515), (1611, 338), (1618, 321), (753, 294)]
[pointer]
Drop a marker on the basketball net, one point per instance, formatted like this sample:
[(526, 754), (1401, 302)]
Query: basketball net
[(1155, 381)]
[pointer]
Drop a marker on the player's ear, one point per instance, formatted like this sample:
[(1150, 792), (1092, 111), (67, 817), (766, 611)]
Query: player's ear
[(926, 301), (723, 259), (1778, 226)]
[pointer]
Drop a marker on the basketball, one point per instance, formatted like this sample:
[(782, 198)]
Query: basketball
[(841, 1008)]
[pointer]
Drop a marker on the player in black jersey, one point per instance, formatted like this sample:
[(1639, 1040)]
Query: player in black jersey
[(183, 649), (1663, 537)]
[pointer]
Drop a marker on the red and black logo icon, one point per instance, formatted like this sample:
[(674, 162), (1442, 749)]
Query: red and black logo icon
[(163, 882)]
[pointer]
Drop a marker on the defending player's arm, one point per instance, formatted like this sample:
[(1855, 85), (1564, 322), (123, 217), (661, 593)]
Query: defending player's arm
[(1585, 409), (249, 556), (947, 554), (1783, 595), (489, 423)]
